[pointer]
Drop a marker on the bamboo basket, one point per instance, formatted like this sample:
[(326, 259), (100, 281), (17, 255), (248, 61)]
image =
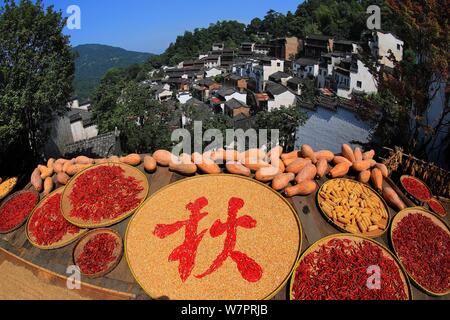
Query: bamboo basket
[(441, 204), (357, 238), (25, 219), (130, 171), (418, 210), (118, 252), (67, 239), (339, 226), (10, 189), (412, 197), (238, 177)]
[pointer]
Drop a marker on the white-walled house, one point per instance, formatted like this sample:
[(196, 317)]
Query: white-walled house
[(261, 72), (226, 94), (305, 67), (163, 94), (82, 125), (351, 75), (75, 104), (345, 46), (213, 72), (279, 96), (383, 45), (327, 63), (280, 77), (243, 68), (295, 84), (230, 93), (211, 61), (183, 97), (262, 49), (219, 46)]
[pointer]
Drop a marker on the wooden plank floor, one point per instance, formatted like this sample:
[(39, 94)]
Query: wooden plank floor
[(313, 224)]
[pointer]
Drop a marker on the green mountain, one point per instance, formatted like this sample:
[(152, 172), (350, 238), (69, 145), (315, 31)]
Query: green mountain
[(93, 60)]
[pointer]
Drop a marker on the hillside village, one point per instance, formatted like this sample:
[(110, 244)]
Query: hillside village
[(261, 77)]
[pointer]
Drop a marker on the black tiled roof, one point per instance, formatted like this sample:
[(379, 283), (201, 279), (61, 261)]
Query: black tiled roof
[(343, 41), (306, 61), (234, 104), (295, 80), (275, 89), (279, 75), (318, 37), (75, 117), (226, 92), (206, 82), (197, 103), (82, 115), (235, 77)]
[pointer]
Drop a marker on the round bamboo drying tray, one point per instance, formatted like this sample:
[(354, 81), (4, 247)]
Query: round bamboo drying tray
[(130, 171), (262, 203), (67, 239), (417, 210), (340, 226), (357, 238), (435, 200), (118, 251), (409, 194), (10, 188), (25, 219)]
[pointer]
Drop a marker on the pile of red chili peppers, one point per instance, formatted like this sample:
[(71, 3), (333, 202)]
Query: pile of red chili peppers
[(97, 254), (437, 207), (424, 249), (15, 210), (337, 270), (104, 193), (47, 225), (416, 188)]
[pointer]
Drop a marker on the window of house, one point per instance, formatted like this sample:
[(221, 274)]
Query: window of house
[(278, 64), (359, 84), (398, 47)]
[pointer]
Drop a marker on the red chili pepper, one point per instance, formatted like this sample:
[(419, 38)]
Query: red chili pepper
[(424, 249), (437, 207), (416, 188), (337, 270), (16, 209), (97, 254), (104, 193), (47, 225)]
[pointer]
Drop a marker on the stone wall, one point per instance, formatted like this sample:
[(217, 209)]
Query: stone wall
[(102, 146)]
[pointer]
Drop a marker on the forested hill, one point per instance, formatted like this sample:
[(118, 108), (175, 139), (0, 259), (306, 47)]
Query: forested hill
[(344, 19), (93, 60)]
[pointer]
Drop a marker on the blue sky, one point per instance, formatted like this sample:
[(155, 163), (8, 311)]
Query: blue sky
[(151, 25)]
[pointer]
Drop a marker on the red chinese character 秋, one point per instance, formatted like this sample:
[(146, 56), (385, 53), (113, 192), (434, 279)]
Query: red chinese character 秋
[(248, 268), (187, 251)]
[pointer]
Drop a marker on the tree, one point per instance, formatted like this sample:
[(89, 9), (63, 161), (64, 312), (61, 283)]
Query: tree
[(145, 125), (417, 80), (191, 44), (106, 96), (286, 120), (209, 120), (36, 72), (275, 24), (308, 89), (254, 27)]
